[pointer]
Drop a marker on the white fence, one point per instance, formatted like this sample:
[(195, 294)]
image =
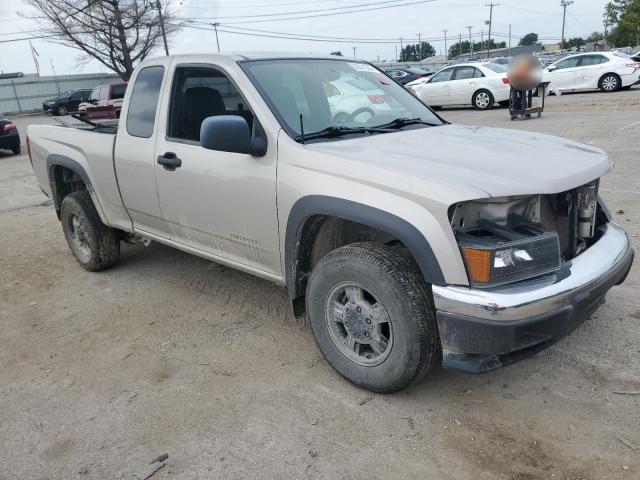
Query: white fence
[(25, 94)]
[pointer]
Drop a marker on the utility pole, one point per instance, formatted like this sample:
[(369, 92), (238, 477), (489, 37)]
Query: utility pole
[(469, 27), (354, 51), (564, 4), (459, 46), (482, 39), (419, 48), (401, 50), (509, 41), (446, 52), (215, 27), (164, 33), (490, 5)]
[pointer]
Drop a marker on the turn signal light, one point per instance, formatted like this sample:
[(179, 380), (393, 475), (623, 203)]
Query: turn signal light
[(478, 264), (505, 80), (9, 126)]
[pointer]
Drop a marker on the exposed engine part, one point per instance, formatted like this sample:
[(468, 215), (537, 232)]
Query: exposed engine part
[(587, 206)]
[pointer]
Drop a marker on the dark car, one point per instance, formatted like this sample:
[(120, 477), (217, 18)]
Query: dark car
[(9, 137), (67, 101), (406, 75)]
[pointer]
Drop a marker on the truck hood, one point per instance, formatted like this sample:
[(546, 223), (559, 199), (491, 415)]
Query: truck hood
[(500, 162)]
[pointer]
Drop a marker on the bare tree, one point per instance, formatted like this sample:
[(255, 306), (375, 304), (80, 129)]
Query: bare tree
[(117, 33)]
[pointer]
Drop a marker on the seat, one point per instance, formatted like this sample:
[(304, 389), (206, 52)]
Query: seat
[(200, 103)]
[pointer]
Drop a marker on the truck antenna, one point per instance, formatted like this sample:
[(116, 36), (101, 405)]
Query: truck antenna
[(301, 129)]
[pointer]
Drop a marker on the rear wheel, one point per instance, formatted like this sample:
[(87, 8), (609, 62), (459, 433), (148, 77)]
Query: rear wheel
[(16, 150), (62, 110), (94, 245), (482, 100), (610, 82), (372, 316)]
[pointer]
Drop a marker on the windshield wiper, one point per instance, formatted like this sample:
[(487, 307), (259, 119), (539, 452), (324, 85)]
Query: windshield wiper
[(404, 122), (334, 131)]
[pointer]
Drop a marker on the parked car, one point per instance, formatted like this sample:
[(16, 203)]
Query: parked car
[(502, 60), (407, 240), (9, 136), (357, 99), (409, 74), (67, 102), (478, 84), (104, 101), (606, 71)]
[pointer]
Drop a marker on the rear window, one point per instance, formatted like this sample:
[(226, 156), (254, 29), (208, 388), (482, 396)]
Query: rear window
[(495, 67), (141, 116), (117, 91)]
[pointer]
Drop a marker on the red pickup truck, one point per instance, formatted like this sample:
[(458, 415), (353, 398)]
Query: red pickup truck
[(105, 102)]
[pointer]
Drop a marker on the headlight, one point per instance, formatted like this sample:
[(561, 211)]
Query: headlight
[(504, 240), (494, 259)]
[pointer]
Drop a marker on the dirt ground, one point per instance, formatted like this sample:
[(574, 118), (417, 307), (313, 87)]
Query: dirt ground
[(166, 352)]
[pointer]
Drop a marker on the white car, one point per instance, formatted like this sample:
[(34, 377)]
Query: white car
[(355, 99), (607, 71), (478, 84)]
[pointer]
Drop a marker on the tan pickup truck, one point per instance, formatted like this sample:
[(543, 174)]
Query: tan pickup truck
[(405, 239)]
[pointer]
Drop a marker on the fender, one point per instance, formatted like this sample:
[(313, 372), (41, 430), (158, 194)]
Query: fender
[(409, 235), (55, 160)]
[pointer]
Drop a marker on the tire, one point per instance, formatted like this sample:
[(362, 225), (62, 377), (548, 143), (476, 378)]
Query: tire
[(94, 245), (16, 150), (482, 100), (62, 110), (504, 103), (348, 290), (610, 82)]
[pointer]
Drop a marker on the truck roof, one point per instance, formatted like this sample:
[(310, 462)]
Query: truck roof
[(239, 56)]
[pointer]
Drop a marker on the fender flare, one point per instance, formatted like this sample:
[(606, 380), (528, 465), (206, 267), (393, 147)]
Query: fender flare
[(55, 160), (408, 234)]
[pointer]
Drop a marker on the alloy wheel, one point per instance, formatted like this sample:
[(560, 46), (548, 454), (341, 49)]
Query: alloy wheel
[(359, 324)]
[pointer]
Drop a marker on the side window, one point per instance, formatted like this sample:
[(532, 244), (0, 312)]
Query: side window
[(141, 116), (95, 94), (568, 63), (442, 76), (463, 73), (76, 96), (593, 60), (198, 93), (477, 73), (104, 93), (117, 91)]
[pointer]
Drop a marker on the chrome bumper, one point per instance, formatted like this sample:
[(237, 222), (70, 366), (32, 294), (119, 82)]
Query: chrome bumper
[(532, 299)]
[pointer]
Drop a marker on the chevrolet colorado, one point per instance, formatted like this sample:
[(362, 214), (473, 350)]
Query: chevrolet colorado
[(405, 239)]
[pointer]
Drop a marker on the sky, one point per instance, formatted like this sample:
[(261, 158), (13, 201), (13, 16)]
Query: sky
[(383, 25)]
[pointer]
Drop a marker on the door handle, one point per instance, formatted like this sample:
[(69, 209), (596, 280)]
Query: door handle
[(169, 161)]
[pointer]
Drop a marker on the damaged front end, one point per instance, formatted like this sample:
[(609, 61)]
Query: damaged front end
[(510, 239), (538, 266)]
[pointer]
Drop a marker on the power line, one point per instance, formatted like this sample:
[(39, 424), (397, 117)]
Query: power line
[(369, 9)]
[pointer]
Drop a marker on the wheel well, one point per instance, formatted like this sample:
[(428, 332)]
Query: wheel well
[(64, 181), (605, 74), (321, 234)]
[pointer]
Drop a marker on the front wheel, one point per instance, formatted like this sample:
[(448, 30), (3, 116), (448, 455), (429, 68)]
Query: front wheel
[(62, 110), (482, 100), (610, 82), (372, 316), (16, 150), (94, 245)]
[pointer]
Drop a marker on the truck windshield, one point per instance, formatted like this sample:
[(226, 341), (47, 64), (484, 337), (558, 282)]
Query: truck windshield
[(335, 95)]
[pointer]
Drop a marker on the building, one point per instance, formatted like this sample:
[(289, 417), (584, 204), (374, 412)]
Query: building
[(501, 52)]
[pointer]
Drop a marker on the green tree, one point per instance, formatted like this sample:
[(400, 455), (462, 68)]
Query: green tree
[(529, 39), (624, 18), (479, 48), (413, 52), (595, 37)]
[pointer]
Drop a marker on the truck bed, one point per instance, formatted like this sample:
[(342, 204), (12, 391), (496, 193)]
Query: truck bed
[(90, 148)]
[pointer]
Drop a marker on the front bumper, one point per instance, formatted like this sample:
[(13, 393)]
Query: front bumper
[(481, 330)]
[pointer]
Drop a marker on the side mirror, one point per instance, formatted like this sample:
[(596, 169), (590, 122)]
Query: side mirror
[(551, 68), (230, 133)]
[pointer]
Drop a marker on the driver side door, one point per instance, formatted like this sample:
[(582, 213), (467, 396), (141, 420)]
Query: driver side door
[(564, 76), (436, 92)]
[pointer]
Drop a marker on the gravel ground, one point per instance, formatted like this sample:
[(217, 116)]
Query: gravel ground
[(166, 352)]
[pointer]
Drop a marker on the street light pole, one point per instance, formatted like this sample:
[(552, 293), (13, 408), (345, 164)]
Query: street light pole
[(215, 27), (446, 52), (564, 4), (164, 33)]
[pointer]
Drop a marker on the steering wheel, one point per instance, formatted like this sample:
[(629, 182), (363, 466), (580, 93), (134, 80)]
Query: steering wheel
[(342, 117)]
